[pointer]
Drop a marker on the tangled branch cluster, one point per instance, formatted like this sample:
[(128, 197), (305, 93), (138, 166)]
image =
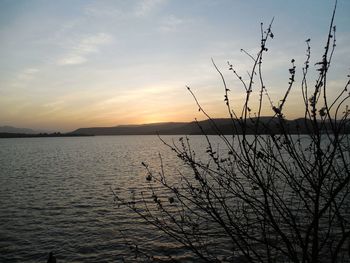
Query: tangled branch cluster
[(275, 196)]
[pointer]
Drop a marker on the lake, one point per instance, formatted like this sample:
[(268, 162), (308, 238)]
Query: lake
[(56, 195)]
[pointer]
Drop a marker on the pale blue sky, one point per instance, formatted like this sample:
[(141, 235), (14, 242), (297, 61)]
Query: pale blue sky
[(77, 63)]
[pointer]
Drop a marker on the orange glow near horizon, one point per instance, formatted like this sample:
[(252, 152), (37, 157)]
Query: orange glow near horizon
[(91, 66), (147, 110)]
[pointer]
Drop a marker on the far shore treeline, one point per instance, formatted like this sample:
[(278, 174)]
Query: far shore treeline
[(38, 135), (267, 125)]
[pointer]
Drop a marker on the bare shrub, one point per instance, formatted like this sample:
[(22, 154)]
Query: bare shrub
[(276, 191)]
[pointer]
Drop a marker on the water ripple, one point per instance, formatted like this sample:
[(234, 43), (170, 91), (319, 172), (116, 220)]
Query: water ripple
[(55, 195)]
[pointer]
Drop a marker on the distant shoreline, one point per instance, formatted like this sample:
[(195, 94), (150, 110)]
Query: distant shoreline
[(224, 126), (41, 135)]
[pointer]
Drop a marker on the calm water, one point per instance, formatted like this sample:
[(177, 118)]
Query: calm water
[(55, 195)]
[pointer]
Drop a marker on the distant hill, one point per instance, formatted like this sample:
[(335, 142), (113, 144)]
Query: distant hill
[(39, 135), (13, 132), (143, 129), (268, 125), (10, 129)]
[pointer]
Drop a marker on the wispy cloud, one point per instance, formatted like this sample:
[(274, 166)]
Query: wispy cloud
[(147, 6), (27, 74), (171, 23), (141, 8), (23, 77), (79, 52), (101, 9)]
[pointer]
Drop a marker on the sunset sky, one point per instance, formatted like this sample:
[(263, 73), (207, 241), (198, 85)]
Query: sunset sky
[(79, 63)]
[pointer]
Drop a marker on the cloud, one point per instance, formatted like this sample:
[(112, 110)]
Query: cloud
[(72, 60), (27, 74), (23, 77), (141, 8), (147, 6), (79, 52), (100, 9), (171, 23)]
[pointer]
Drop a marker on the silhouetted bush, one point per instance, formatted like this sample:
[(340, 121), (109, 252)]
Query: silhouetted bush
[(278, 197)]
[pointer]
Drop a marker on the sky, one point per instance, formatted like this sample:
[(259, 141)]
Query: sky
[(82, 63)]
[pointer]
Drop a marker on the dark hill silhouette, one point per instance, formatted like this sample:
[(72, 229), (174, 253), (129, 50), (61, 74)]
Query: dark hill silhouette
[(39, 135), (267, 125), (10, 129)]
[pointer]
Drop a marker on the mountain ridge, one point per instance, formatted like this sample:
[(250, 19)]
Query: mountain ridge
[(11, 129), (268, 125)]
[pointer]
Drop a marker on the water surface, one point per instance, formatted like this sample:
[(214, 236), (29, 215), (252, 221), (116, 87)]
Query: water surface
[(55, 195)]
